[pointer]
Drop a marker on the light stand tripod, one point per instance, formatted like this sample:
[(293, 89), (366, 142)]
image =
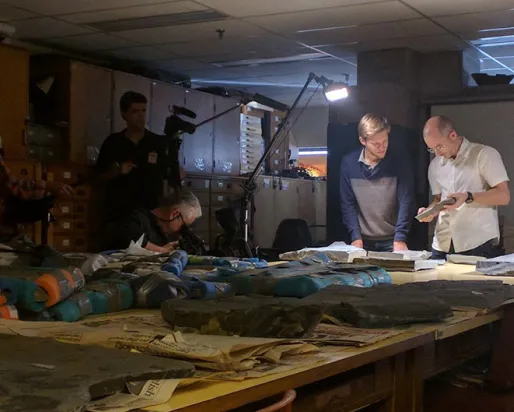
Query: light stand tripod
[(333, 91)]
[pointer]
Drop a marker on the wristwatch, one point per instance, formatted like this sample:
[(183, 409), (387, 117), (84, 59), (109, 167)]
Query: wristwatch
[(469, 199)]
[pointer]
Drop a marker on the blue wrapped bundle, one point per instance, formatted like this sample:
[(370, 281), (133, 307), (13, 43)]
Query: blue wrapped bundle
[(8, 292), (151, 290), (24, 293), (199, 289), (210, 261), (176, 263), (305, 285), (76, 307), (109, 296)]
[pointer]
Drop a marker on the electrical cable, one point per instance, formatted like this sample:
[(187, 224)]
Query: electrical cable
[(303, 109)]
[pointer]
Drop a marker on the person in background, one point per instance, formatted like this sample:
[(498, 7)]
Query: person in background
[(475, 176), (131, 163), (159, 225), (24, 189), (377, 190)]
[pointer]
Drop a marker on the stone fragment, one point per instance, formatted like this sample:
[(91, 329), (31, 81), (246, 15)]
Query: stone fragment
[(261, 316), (43, 375)]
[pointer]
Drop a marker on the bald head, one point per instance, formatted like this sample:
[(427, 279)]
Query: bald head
[(441, 125), (441, 137)]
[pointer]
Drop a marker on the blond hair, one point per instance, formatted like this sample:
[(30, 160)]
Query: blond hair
[(371, 124)]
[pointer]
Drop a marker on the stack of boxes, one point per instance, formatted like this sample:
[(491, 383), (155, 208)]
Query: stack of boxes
[(251, 141), (73, 228), (45, 143)]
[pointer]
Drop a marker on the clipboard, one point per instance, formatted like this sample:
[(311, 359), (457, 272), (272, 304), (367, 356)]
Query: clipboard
[(436, 208)]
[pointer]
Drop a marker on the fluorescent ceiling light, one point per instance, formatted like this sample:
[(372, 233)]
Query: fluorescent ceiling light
[(326, 29), (508, 43), (252, 62), (312, 152), (496, 29), (510, 36), (496, 69)]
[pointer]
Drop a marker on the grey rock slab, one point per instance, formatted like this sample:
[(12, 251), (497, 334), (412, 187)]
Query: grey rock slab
[(255, 316), (43, 375)]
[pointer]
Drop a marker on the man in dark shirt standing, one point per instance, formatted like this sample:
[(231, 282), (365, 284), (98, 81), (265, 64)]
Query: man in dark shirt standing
[(132, 162), (377, 190)]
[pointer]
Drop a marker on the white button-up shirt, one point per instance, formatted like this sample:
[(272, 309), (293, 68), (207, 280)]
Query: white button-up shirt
[(476, 168)]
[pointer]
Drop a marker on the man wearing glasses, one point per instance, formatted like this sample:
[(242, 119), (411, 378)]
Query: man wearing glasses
[(160, 227), (472, 174), (377, 190)]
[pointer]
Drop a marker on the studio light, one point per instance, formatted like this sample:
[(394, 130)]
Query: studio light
[(332, 90), (335, 91)]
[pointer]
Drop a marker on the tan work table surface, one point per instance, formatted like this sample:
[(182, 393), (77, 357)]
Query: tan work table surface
[(229, 395), (448, 271)]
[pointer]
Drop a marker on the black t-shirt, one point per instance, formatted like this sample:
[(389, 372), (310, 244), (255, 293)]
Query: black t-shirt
[(140, 222), (143, 185)]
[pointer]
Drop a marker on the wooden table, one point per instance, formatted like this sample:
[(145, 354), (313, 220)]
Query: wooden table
[(390, 373)]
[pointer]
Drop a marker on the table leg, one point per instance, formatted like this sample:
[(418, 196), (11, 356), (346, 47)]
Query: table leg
[(407, 383), (501, 372)]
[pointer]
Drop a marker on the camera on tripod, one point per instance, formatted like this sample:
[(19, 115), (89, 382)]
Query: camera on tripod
[(175, 125), (174, 128)]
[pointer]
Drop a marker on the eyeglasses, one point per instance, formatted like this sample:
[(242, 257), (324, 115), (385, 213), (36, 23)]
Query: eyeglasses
[(179, 216), (438, 148)]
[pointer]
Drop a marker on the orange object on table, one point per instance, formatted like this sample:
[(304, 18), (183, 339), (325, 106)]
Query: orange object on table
[(8, 312)]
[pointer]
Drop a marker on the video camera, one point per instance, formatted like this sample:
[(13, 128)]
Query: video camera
[(175, 124), (174, 128)]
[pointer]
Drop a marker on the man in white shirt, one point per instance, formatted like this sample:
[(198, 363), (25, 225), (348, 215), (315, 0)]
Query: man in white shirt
[(472, 174)]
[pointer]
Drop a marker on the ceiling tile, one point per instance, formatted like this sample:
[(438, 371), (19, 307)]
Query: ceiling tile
[(371, 32), (133, 12), (508, 61), (300, 78), (489, 37), (265, 7), (230, 45), (422, 44), (344, 51), (8, 13), (488, 64), (46, 27), (192, 32), (478, 21), (256, 54), (336, 17), (322, 66), (444, 7), (217, 74), (181, 65), (90, 42), (144, 53), (56, 7)]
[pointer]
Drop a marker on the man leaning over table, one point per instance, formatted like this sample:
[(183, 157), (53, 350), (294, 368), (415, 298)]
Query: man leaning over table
[(475, 176), (377, 190)]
